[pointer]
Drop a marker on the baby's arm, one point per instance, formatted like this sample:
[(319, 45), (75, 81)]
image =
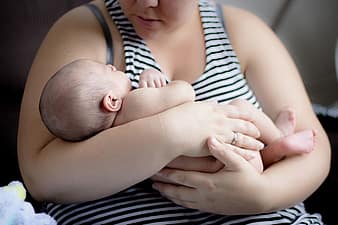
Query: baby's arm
[(145, 102)]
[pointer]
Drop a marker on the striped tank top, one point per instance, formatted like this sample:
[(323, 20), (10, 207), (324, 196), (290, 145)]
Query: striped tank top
[(223, 81)]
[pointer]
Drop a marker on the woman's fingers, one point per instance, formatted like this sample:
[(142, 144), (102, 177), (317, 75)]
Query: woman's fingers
[(161, 179), (243, 114), (190, 179), (245, 141), (181, 195), (223, 152), (246, 154), (236, 112), (241, 141), (206, 164), (245, 127), (173, 191), (239, 120)]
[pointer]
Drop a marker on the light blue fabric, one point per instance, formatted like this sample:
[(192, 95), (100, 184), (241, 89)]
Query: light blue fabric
[(15, 211)]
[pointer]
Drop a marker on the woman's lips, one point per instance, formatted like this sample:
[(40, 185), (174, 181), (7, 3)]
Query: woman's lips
[(148, 22)]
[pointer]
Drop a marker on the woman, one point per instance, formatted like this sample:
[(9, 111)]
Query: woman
[(184, 39)]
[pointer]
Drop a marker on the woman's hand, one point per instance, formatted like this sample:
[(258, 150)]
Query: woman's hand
[(205, 119), (237, 188), (208, 164)]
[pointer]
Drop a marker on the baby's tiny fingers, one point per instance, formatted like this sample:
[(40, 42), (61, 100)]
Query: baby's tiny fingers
[(143, 84), (163, 81), (158, 83), (151, 84)]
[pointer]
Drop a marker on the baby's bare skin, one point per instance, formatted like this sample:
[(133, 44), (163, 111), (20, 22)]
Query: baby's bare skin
[(289, 143), (279, 137)]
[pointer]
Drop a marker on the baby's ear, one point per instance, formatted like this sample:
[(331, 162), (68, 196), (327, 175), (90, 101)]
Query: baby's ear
[(111, 103)]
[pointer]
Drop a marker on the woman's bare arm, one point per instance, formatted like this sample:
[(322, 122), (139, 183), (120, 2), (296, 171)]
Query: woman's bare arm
[(63, 171), (277, 84), (117, 158), (238, 188)]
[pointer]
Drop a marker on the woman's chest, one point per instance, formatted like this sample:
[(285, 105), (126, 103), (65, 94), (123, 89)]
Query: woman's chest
[(185, 61)]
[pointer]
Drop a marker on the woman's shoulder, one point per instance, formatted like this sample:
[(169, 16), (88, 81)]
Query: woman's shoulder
[(245, 30), (239, 16), (80, 18), (79, 30), (81, 25), (73, 24)]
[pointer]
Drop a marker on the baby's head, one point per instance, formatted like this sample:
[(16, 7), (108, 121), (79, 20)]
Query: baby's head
[(82, 99)]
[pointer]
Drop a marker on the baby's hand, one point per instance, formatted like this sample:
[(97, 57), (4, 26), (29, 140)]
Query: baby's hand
[(152, 78)]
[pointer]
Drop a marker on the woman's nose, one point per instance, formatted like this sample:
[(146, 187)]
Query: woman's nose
[(148, 3)]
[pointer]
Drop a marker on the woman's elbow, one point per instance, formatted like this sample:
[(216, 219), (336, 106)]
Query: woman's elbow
[(36, 180), (323, 146)]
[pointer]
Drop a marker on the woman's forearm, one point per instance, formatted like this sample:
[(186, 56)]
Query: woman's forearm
[(294, 179), (105, 164)]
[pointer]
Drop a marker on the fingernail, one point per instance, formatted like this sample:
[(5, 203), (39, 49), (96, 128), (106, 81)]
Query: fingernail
[(154, 186), (214, 142), (160, 174), (261, 146)]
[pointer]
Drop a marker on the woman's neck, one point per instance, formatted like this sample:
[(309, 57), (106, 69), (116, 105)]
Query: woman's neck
[(181, 53)]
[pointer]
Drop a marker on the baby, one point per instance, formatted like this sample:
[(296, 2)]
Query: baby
[(86, 97)]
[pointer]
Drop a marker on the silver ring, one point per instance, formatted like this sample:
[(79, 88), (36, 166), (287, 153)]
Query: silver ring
[(234, 138)]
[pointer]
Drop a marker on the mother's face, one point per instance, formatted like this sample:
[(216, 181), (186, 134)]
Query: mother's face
[(150, 17)]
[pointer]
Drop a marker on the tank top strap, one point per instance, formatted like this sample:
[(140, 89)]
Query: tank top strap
[(220, 14), (107, 35)]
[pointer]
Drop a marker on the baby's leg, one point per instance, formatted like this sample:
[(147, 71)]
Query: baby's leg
[(286, 122), (278, 137), (290, 143), (293, 144)]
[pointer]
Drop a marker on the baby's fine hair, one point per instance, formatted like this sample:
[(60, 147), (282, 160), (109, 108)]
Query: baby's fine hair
[(70, 103)]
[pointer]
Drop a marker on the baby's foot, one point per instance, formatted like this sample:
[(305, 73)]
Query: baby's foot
[(299, 142), (294, 144), (286, 121)]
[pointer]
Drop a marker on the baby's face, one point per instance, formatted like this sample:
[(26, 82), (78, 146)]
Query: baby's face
[(119, 81)]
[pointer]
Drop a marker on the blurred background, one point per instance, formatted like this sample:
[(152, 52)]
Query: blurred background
[(308, 28)]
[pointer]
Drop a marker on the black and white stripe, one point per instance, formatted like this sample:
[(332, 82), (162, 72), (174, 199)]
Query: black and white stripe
[(223, 81)]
